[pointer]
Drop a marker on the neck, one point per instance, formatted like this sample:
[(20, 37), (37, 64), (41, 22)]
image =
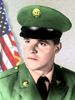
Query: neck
[(37, 73), (44, 70)]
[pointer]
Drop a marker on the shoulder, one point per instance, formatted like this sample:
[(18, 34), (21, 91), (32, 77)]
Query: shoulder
[(68, 74), (9, 78), (11, 72), (68, 71), (8, 72), (65, 70)]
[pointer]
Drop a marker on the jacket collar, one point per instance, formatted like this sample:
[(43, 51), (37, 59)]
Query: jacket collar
[(24, 75), (58, 87), (26, 85)]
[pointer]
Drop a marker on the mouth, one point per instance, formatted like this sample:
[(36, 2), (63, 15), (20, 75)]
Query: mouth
[(32, 58)]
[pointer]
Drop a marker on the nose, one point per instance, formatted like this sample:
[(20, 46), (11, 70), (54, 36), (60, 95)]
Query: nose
[(33, 48)]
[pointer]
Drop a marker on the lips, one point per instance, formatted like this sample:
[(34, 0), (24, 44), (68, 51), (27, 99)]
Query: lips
[(32, 58)]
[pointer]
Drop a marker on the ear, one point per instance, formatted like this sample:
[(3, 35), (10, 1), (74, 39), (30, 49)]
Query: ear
[(58, 47)]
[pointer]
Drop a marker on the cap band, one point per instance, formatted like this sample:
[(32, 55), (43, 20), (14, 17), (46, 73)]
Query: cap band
[(39, 33)]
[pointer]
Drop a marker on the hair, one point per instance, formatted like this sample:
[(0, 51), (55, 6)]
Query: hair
[(56, 40)]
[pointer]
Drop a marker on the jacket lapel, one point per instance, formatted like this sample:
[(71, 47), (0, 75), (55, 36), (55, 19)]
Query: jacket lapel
[(25, 85), (26, 88), (58, 87)]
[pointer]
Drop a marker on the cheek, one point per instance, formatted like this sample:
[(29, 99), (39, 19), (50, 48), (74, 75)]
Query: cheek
[(25, 51), (47, 54)]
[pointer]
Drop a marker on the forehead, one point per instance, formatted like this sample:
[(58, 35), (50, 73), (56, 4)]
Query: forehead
[(34, 39), (38, 40)]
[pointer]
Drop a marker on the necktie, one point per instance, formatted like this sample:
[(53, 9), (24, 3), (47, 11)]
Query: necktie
[(42, 87)]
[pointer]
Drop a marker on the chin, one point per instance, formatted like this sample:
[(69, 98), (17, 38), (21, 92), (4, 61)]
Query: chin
[(32, 66)]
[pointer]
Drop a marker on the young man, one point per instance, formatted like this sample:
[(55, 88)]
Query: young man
[(39, 78)]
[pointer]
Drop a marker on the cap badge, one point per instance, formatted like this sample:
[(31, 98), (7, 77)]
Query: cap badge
[(36, 12)]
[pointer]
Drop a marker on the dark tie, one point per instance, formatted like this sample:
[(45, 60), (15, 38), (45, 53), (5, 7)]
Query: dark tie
[(42, 87)]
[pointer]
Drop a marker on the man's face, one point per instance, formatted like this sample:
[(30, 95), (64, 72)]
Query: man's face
[(39, 54)]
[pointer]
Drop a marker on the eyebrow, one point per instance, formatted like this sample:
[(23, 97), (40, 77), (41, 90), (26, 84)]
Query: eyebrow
[(46, 41), (40, 40)]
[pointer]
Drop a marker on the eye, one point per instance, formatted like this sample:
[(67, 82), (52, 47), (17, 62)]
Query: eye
[(27, 40), (43, 44)]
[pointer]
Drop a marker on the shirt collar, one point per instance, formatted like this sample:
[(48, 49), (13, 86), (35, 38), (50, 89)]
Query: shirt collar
[(36, 75)]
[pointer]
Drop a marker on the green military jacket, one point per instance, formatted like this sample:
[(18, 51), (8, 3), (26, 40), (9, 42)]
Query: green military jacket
[(18, 84)]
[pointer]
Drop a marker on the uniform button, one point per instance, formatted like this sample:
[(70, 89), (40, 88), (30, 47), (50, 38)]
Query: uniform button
[(16, 67), (25, 83)]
